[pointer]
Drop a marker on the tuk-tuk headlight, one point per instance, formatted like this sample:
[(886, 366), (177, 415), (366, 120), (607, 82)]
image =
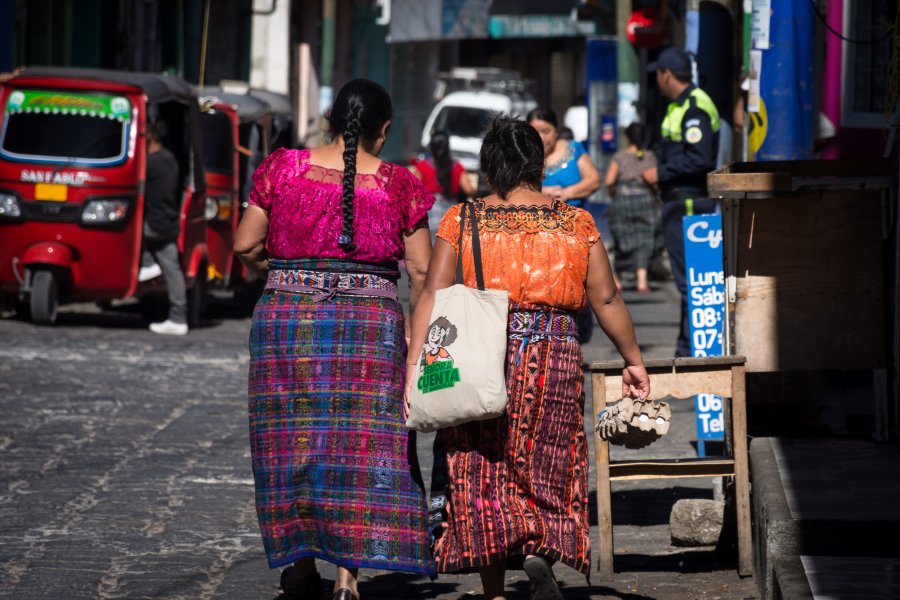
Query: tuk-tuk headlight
[(9, 206), (103, 212), (218, 207), (211, 209)]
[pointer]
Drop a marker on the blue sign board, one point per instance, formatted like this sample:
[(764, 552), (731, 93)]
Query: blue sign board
[(705, 283), (710, 419), (706, 310)]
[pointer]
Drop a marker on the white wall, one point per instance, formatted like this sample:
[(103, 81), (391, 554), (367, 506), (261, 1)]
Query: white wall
[(270, 47)]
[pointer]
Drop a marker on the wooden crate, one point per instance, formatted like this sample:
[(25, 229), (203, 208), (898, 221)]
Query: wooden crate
[(804, 257)]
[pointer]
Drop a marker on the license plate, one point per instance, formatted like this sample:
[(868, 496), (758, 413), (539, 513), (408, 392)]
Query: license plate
[(52, 192)]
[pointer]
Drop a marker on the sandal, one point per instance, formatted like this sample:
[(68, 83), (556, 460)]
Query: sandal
[(543, 583)]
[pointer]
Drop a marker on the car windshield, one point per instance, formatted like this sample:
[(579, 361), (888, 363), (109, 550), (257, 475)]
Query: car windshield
[(464, 121), (218, 142), (66, 128)]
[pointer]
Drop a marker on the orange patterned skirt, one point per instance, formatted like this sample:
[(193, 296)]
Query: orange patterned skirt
[(518, 485)]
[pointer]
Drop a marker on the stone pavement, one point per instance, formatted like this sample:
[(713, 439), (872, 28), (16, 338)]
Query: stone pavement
[(125, 472)]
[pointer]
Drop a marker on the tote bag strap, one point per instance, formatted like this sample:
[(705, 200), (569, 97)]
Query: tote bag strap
[(476, 246)]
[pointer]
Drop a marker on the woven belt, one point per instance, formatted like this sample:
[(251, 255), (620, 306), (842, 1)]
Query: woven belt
[(326, 285), (530, 325)]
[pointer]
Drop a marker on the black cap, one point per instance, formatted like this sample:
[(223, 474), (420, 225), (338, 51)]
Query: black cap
[(675, 59)]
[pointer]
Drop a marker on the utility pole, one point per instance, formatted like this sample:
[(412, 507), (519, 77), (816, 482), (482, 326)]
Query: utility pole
[(203, 37)]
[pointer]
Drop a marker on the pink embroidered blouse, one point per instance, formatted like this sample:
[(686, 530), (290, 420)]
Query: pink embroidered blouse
[(303, 201)]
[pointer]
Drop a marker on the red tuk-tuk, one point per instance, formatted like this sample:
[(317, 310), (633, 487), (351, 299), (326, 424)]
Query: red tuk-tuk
[(72, 172), (236, 138), (284, 131)]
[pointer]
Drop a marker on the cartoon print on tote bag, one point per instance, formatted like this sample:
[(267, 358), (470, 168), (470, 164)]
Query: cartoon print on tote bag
[(436, 364)]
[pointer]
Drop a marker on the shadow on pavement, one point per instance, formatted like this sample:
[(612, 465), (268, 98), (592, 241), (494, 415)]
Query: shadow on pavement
[(702, 560), (581, 592), (401, 585), (645, 507), (138, 315)]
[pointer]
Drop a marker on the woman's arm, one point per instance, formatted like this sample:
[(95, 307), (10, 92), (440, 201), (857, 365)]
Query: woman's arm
[(612, 173), (416, 255), (441, 274), (589, 183), (250, 240), (615, 320)]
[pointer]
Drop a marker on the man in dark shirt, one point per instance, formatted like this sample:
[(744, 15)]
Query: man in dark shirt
[(688, 151), (162, 213)]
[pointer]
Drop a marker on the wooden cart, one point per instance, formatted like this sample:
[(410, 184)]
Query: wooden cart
[(678, 378)]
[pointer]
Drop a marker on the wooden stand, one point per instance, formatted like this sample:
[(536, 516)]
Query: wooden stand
[(679, 378)]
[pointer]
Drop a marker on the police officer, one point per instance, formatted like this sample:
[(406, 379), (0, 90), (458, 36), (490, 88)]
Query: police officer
[(690, 143)]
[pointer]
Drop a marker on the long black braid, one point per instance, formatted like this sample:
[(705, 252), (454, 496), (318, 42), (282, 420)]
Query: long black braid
[(358, 115), (351, 148)]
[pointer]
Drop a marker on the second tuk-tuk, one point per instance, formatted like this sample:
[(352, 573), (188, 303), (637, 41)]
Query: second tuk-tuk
[(241, 126), (236, 138), (284, 131), (72, 173)]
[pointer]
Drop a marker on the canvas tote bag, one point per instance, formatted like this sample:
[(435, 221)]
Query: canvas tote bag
[(462, 368)]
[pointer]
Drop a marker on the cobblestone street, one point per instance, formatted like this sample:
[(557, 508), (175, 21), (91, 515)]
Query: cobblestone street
[(126, 472)]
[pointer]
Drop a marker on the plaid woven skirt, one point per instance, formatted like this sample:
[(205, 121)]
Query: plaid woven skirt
[(336, 472), (633, 217), (518, 484)]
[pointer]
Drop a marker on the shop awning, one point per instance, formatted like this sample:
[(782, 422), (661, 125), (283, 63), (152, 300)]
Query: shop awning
[(538, 26)]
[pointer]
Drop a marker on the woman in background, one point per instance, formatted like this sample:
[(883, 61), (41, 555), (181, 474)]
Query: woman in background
[(634, 213), (443, 176), (569, 172), (570, 175)]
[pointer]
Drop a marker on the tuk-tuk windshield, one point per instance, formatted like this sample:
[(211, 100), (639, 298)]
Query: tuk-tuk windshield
[(65, 127), (218, 142)]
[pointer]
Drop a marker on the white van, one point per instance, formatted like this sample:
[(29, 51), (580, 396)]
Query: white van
[(466, 116)]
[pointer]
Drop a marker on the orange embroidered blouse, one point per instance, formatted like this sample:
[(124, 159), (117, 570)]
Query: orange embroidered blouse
[(537, 253)]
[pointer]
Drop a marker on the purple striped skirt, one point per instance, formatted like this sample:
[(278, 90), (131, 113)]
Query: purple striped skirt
[(336, 472)]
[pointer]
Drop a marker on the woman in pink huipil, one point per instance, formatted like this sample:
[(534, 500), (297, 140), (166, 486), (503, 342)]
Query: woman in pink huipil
[(335, 467)]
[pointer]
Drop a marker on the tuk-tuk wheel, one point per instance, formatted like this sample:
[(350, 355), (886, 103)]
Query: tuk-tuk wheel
[(44, 298)]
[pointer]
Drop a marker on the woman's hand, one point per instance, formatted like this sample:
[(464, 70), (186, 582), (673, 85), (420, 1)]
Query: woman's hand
[(407, 391), (635, 381)]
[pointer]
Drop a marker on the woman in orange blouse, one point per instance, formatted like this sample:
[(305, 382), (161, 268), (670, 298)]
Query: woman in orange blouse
[(519, 484)]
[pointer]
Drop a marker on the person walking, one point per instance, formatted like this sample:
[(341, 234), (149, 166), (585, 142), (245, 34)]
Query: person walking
[(335, 467), (633, 215), (162, 223), (443, 176), (569, 174), (518, 484), (687, 152)]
